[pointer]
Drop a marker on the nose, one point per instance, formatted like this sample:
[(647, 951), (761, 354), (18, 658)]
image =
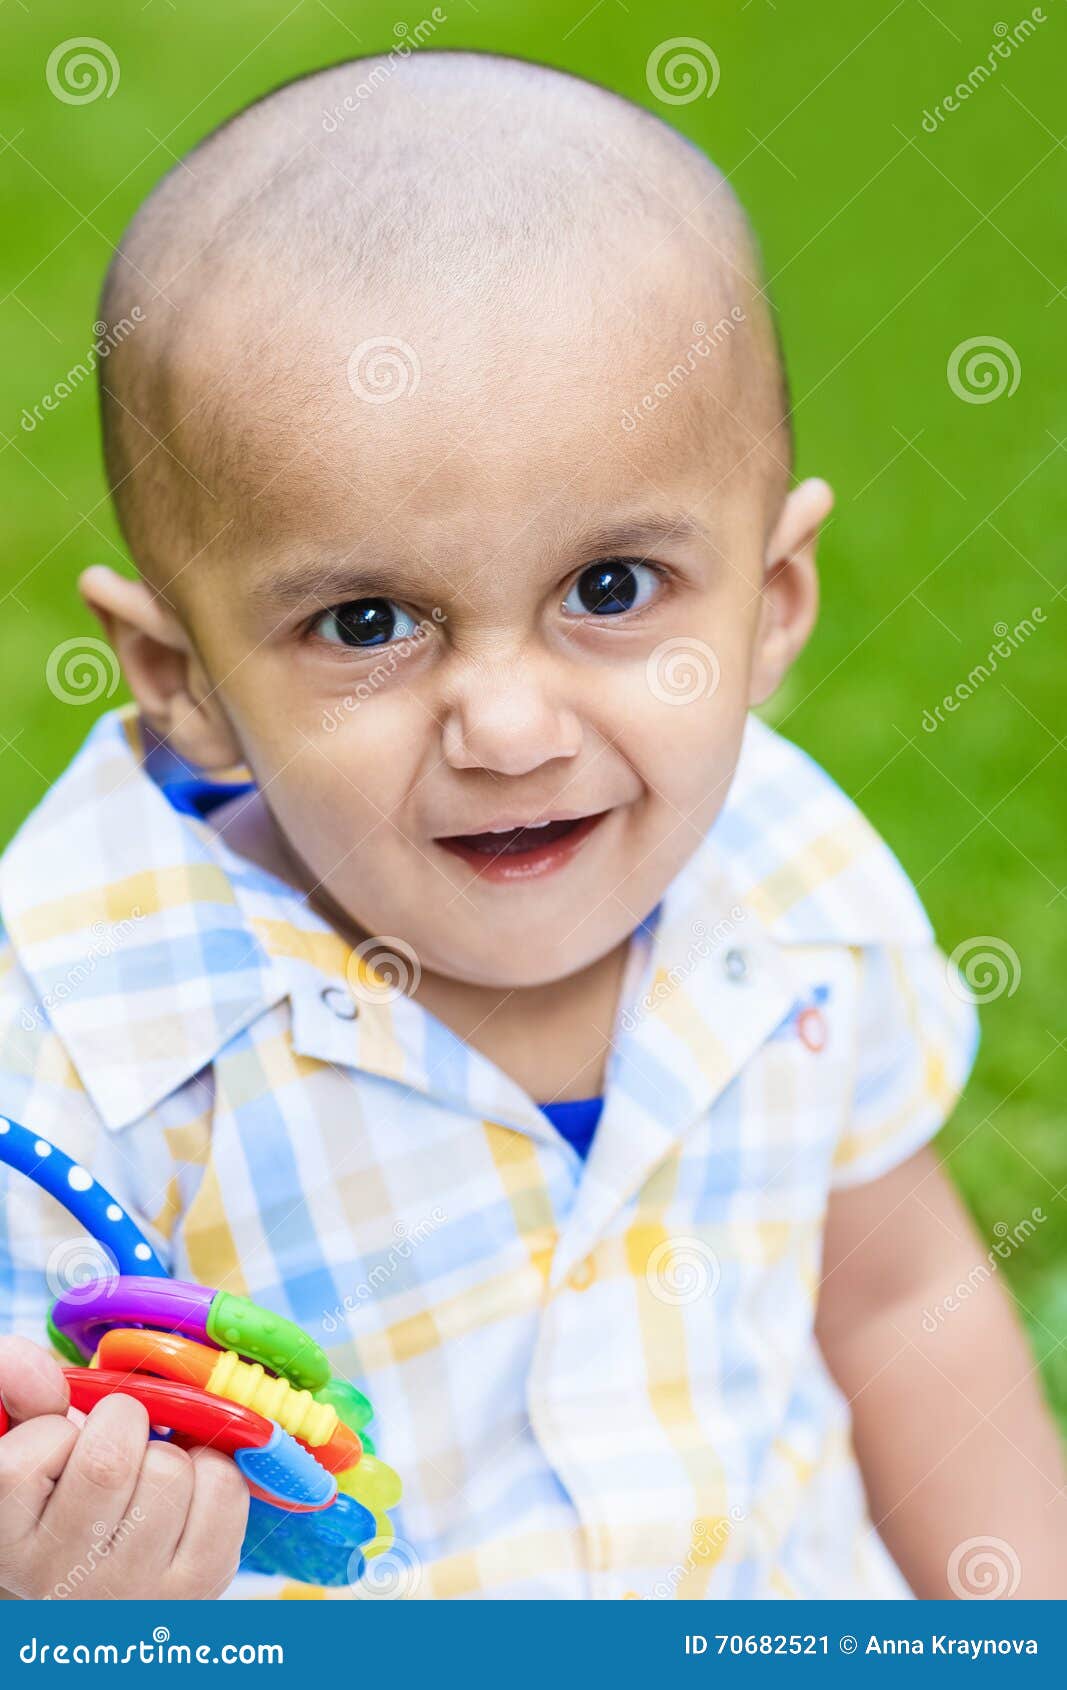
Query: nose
[(503, 718)]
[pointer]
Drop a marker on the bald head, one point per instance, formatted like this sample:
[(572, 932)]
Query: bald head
[(470, 183)]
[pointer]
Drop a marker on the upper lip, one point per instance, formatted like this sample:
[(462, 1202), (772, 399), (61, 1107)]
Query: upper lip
[(508, 820)]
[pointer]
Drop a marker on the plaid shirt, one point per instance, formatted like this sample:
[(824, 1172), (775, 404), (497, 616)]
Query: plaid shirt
[(596, 1379)]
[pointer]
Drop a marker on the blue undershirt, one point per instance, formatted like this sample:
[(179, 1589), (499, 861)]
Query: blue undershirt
[(576, 1120), (191, 796)]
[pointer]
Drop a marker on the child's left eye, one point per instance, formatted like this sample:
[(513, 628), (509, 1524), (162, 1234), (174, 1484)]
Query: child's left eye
[(365, 622), (612, 586)]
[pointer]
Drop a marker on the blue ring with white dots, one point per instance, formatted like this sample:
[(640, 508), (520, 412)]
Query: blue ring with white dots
[(88, 1202)]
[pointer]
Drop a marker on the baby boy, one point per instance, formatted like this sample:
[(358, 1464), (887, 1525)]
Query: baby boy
[(439, 952)]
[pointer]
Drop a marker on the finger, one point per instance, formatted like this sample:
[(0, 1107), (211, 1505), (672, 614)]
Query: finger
[(152, 1525), (95, 1487), (31, 1381), (32, 1456), (206, 1558)]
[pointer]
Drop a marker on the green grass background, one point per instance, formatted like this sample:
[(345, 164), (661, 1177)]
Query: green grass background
[(887, 246)]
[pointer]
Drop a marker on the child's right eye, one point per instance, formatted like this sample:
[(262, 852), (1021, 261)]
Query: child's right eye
[(364, 622)]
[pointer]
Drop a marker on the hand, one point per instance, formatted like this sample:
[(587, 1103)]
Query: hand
[(100, 1511)]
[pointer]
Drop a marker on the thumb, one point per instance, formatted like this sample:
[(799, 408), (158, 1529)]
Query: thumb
[(31, 1381)]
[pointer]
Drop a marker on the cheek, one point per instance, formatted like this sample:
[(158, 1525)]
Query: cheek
[(336, 766), (696, 665), (685, 739)]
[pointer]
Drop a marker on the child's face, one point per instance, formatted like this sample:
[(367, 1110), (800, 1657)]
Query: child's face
[(488, 602)]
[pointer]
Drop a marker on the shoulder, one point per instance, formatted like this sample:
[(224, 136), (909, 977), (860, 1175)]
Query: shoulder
[(805, 857)]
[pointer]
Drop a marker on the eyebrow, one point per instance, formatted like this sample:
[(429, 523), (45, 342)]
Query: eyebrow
[(309, 583), (327, 584), (643, 534)]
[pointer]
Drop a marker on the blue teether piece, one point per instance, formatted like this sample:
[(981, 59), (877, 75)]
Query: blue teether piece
[(316, 1548), (287, 1470), (75, 1188)]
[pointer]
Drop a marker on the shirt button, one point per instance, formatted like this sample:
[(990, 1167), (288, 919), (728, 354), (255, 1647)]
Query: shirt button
[(583, 1275), (339, 1003), (735, 965)]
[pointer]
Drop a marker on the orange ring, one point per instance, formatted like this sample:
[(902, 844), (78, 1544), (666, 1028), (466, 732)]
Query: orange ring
[(135, 1349)]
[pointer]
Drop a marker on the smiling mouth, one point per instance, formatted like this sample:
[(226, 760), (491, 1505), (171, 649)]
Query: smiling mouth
[(512, 841), (522, 852)]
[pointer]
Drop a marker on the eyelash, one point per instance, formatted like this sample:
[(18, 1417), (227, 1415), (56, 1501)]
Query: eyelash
[(662, 573)]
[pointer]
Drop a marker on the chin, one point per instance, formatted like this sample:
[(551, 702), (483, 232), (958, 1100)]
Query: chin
[(519, 971)]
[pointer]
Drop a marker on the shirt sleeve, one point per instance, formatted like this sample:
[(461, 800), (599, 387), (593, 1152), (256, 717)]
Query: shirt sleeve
[(917, 1036)]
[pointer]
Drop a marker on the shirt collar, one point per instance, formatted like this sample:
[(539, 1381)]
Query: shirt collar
[(149, 945), (128, 929)]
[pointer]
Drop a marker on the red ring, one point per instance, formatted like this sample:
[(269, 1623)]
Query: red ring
[(182, 1408)]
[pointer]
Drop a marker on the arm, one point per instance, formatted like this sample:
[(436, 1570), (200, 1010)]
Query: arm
[(952, 1434)]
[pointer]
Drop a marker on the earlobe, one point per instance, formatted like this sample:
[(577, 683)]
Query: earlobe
[(161, 668), (790, 589)]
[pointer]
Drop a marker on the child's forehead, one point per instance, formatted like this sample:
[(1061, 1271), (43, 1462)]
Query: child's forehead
[(382, 316), (476, 426)]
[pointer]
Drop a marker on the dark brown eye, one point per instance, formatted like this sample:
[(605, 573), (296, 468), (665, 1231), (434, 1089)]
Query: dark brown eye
[(610, 587), (364, 622)]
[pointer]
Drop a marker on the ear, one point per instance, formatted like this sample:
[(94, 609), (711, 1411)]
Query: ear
[(790, 590), (161, 666)]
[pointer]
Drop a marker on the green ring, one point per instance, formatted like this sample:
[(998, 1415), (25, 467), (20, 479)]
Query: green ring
[(234, 1323), (353, 1408), (66, 1347)]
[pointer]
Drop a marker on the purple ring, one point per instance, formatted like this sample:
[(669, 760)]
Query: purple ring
[(167, 1305)]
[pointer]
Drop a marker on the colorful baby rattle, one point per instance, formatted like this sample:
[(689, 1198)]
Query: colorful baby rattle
[(214, 1368)]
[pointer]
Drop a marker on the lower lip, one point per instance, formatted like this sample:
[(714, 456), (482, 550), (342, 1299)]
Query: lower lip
[(527, 865)]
